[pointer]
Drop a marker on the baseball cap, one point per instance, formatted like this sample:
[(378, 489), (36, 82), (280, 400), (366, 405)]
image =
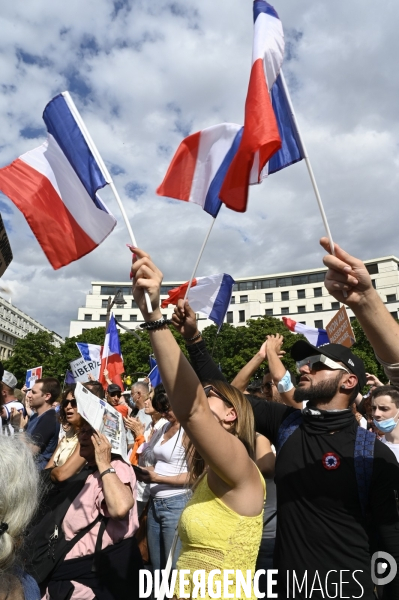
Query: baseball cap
[(9, 379), (302, 349), (113, 388)]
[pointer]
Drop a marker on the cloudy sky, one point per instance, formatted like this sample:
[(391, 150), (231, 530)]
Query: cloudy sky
[(146, 74)]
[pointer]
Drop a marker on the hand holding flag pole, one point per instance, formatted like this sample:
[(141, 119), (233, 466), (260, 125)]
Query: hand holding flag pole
[(106, 175)]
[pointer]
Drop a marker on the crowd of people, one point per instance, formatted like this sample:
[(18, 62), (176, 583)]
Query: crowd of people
[(293, 478)]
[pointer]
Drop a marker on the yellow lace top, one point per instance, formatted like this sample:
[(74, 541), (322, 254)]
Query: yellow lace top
[(213, 536)]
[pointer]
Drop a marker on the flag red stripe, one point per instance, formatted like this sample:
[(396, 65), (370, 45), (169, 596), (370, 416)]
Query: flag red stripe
[(260, 133), (289, 323), (60, 236), (179, 177), (177, 294)]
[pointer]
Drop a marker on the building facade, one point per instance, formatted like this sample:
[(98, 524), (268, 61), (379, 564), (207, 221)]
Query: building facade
[(300, 295), (14, 325)]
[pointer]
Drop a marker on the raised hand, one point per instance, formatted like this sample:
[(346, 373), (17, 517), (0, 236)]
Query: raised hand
[(146, 278), (184, 320)]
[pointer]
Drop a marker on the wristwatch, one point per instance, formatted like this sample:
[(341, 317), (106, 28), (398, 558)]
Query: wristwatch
[(111, 470)]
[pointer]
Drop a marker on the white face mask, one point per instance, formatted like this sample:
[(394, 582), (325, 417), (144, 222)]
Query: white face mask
[(387, 425)]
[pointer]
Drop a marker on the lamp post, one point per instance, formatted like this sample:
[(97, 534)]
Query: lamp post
[(118, 299)]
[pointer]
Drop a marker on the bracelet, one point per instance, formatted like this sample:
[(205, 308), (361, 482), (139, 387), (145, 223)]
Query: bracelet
[(195, 337), (150, 325), (111, 470)]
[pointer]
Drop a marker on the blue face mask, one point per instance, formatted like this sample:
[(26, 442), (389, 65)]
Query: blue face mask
[(387, 425)]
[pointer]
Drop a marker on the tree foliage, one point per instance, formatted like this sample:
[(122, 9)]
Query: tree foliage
[(231, 348)]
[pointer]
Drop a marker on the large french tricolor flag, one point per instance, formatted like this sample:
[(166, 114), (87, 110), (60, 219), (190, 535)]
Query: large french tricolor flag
[(316, 337), (55, 187), (261, 138), (111, 358), (198, 168), (208, 295)]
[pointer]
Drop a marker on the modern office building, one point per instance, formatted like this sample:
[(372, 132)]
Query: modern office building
[(14, 325), (299, 295)]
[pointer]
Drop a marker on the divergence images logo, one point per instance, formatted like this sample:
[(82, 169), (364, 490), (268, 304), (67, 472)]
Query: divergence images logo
[(383, 568)]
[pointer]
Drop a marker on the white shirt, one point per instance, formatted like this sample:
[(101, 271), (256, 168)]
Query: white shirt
[(393, 447)]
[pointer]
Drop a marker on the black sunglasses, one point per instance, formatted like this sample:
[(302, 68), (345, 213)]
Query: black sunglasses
[(211, 388), (72, 402)]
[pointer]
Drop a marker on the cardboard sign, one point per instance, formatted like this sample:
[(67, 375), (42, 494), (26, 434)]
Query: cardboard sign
[(5, 249), (340, 330), (81, 369), (32, 375)]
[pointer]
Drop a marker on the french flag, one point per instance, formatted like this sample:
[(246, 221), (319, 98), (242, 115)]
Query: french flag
[(316, 337), (154, 375), (111, 358), (55, 187), (208, 295), (261, 138), (90, 352), (198, 168)]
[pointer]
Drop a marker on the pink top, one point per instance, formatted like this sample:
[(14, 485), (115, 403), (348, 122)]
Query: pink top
[(84, 510)]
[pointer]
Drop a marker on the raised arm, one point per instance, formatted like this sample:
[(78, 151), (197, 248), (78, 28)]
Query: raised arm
[(348, 273), (185, 392), (243, 377), (278, 371)]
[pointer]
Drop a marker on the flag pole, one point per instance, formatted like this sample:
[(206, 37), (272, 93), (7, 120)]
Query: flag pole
[(105, 172), (199, 258), (309, 166)]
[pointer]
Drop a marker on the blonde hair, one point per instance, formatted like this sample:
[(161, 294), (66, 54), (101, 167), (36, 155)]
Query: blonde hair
[(243, 427)]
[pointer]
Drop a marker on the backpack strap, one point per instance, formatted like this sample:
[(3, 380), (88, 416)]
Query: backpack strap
[(364, 457), (287, 428)]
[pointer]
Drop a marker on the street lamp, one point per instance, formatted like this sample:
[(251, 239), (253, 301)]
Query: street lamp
[(118, 299)]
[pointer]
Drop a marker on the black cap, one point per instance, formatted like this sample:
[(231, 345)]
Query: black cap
[(113, 387), (302, 349)]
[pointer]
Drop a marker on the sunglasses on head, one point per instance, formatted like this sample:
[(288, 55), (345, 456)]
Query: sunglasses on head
[(211, 388), (319, 362), (71, 402)]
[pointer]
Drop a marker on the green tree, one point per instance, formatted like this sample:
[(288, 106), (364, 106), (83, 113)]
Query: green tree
[(35, 350)]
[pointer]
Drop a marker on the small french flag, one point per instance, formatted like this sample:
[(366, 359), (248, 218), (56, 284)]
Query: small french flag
[(316, 337), (207, 295), (55, 187), (111, 358)]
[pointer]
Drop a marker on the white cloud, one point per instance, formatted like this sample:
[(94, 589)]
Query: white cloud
[(144, 74)]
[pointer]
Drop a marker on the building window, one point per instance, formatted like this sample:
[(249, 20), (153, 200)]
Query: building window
[(391, 298), (373, 283), (301, 309), (334, 305), (241, 316), (104, 303), (268, 297), (229, 316), (301, 294), (233, 300), (118, 317), (318, 292), (318, 324), (285, 310), (88, 317), (243, 299), (103, 317), (302, 322), (269, 312), (394, 314), (285, 295), (372, 269), (134, 304), (133, 317), (351, 319), (318, 307)]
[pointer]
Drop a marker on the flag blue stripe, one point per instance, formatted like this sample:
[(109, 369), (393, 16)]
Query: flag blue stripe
[(291, 150), (62, 126), (323, 338), (260, 6), (222, 300), (114, 344), (84, 350), (212, 203), (154, 376)]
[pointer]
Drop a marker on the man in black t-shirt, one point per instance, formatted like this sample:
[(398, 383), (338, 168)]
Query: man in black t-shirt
[(44, 427)]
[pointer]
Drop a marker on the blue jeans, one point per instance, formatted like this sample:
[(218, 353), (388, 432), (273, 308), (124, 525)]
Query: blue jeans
[(163, 516)]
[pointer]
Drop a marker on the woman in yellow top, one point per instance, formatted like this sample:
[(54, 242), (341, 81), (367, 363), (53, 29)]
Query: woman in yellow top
[(221, 526)]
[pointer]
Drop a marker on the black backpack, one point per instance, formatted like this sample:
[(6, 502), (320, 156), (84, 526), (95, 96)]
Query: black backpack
[(45, 544)]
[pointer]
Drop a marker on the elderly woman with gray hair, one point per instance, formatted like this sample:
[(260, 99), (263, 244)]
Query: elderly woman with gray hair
[(19, 484)]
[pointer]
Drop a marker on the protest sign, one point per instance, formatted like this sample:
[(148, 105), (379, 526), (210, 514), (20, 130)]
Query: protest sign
[(5, 249), (102, 417), (32, 375), (340, 330), (81, 369)]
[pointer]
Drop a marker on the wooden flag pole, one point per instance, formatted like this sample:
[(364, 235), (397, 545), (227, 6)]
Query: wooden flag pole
[(105, 172), (199, 257)]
